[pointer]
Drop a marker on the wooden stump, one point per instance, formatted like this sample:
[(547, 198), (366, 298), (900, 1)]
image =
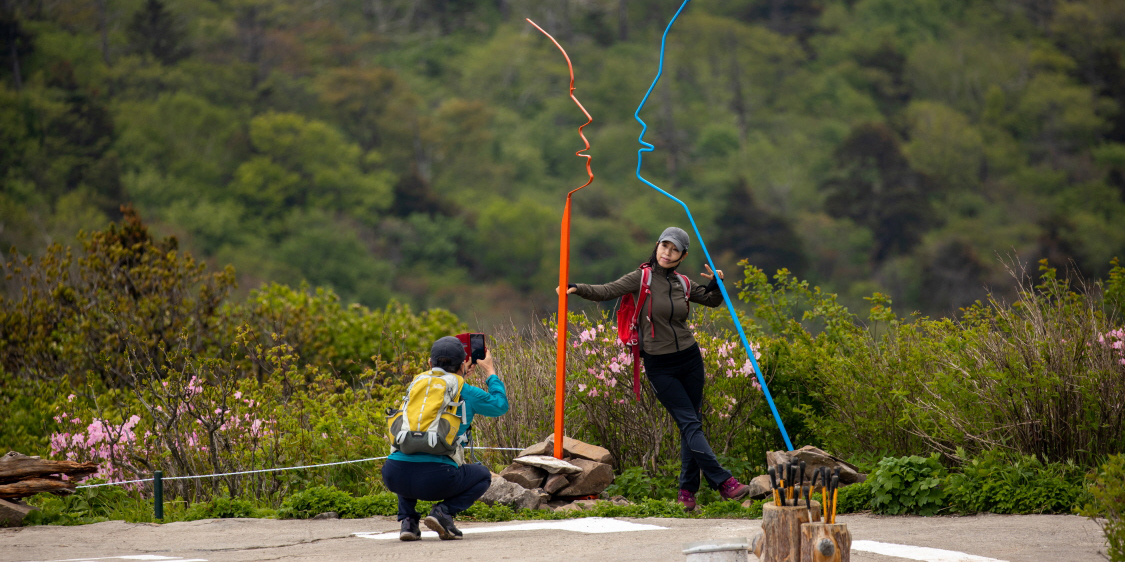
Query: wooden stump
[(821, 542), (781, 528)]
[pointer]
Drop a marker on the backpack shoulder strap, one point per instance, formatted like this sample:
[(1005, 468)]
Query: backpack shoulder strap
[(686, 283)]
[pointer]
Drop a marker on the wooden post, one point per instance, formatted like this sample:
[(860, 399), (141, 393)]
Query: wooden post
[(781, 528), (821, 542)]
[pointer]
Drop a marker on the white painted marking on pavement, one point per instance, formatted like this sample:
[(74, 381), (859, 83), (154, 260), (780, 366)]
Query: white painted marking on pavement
[(584, 525), (925, 554)]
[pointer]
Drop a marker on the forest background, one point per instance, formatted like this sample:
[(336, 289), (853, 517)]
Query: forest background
[(421, 150)]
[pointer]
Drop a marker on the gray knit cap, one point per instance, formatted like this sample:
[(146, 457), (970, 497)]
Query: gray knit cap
[(676, 236), (450, 348)]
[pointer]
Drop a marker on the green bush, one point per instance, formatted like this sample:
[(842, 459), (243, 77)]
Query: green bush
[(908, 485), (384, 503), (999, 483), (223, 507), (854, 498), (905, 385), (314, 501), (86, 505), (1107, 505)]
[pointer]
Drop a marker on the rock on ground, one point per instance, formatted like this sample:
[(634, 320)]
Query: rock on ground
[(13, 512), (760, 487), (527, 476), (571, 448), (503, 492), (555, 482), (815, 458), (595, 477), (550, 464)]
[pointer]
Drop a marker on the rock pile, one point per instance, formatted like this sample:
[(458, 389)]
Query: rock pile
[(536, 479), (814, 458)]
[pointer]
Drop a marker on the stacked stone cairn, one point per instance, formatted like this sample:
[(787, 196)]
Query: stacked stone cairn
[(537, 480)]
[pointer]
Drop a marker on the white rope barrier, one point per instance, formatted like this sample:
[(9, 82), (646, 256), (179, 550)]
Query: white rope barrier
[(266, 470)]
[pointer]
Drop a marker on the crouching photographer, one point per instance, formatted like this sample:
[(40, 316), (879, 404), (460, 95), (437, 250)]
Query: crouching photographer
[(428, 433)]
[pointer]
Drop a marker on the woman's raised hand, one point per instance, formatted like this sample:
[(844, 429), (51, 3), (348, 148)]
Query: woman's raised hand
[(708, 275), (572, 290)]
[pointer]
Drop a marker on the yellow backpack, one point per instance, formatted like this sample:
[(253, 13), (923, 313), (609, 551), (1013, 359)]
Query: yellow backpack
[(428, 421)]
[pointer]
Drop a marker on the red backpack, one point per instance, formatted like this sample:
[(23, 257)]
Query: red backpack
[(629, 320)]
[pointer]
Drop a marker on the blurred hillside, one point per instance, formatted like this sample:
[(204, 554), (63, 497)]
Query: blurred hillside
[(421, 149)]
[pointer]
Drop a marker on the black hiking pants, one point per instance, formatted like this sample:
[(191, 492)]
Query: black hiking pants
[(678, 379), (456, 487)]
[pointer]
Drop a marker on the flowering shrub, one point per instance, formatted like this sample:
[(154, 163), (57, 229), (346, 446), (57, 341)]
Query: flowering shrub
[(1115, 340)]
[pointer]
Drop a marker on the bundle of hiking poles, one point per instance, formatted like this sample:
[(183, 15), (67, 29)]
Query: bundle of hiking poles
[(788, 483)]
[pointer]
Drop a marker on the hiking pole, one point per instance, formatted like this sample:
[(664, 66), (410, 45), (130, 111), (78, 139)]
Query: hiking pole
[(564, 265), (808, 496), (773, 485), (801, 483), (648, 147), (824, 490), (835, 493)]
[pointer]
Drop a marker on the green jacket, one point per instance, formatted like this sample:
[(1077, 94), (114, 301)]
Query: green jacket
[(669, 308)]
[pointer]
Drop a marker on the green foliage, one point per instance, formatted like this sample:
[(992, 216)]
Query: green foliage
[(903, 385), (997, 483), (1115, 290), (223, 507), (855, 497), (313, 501), (87, 505), (908, 485), (1107, 505), (635, 485), (294, 162)]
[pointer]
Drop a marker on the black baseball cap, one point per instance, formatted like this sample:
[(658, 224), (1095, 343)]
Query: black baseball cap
[(449, 348)]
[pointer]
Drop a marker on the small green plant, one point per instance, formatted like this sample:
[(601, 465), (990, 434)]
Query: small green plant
[(854, 498), (635, 485), (999, 483), (1107, 505), (313, 501), (223, 507), (908, 485), (87, 505)]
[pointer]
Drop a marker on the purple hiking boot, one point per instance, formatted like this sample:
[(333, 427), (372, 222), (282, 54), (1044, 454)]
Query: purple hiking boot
[(732, 489), (686, 499)]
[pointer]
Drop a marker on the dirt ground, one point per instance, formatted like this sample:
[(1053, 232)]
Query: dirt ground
[(984, 538)]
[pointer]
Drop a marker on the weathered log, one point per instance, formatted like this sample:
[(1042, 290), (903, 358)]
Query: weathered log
[(781, 528), (821, 542), (15, 467), (31, 486)]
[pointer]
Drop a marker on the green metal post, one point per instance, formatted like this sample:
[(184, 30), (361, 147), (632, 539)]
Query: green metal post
[(158, 494)]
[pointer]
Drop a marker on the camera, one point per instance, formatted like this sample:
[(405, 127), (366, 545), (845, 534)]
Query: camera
[(475, 346)]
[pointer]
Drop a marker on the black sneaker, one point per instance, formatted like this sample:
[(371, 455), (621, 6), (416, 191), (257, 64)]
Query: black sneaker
[(441, 523), (410, 530)]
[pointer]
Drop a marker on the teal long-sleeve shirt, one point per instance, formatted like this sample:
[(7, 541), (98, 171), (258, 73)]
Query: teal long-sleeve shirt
[(490, 403)]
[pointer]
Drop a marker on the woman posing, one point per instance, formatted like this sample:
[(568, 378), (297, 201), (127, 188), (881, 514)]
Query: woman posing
[(672, 360)]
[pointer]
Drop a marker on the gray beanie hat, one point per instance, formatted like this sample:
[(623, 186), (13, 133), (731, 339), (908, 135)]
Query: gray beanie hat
[(676, 236), (449, 348)]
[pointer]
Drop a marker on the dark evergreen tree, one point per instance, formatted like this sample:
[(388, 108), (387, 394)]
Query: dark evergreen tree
[(156, 32), (16, 42), (874, 185), (749, 232)]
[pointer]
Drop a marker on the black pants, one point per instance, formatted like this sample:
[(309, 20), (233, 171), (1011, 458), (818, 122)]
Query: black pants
[(456, 487), (677, 379)]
